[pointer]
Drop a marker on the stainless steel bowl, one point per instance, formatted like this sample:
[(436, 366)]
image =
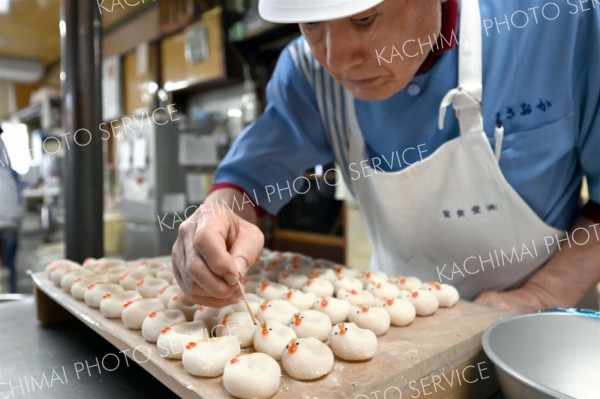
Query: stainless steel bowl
[(554, 354)]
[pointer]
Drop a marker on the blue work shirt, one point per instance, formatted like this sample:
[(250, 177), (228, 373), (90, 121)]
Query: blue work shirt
[(541, 80)]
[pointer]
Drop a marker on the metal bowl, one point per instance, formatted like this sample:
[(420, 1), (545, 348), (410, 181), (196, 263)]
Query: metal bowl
[(554, 354)]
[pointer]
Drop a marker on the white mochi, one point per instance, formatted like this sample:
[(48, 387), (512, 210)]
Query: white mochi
[(356, 297), (343, 271), (70, 276), (179, 301), (292, 280), (324, 264), (149, 287), (113, 274), (222, 312), (271, 337), (173, 339), (106, 264), (372, 318), (88, 263), (293, 263), (238, 324), (207, 314), (325, 274), (301, 300), (319, 286), (166, 293), (56, 264), (111, 304), (129, 279), (135, 312), (151, 267), (250, 285), (401, 311), (406, 283), (276, 310), (383, 290), (350, 342), (80, 284), (208, 357), (94, 293), (446, 294), (270, 290), (348, 283), (252, 376), (166, 275), (164, 261), (305, 271), (292, 258), (307, 359), (425, 302), (251, 297), (310, 323), (271, 272), (155, 322), (373, 277), (55, 270), (336, 309), (133, 264), (254, 302)]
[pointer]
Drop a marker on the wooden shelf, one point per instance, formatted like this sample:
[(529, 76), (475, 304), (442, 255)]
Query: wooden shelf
[(310, 238), (317, 245)]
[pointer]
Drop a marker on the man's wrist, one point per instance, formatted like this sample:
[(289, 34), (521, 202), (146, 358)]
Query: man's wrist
[(246, 199), (547, 291), (234, 201)]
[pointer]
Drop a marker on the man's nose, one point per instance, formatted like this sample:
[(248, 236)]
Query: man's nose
[(343, 50)]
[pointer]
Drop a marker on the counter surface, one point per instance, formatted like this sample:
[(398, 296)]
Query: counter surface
[(50, 362), (67, 360)]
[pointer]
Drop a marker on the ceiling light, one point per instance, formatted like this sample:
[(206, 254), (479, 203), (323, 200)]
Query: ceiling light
[(4, 6)]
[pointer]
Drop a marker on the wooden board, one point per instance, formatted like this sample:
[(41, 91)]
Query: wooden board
[(443, 349)]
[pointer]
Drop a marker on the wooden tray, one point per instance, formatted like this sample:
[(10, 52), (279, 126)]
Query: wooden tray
[(443, 349)]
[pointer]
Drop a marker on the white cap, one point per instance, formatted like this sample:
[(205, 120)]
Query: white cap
[(298, 11)]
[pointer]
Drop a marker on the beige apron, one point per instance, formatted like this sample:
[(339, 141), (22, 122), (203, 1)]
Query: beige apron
[(452, 217)]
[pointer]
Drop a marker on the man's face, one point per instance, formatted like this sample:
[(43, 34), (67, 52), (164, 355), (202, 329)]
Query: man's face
[(348, 47)]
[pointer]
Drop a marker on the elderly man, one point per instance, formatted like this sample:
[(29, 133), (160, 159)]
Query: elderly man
[(489, 203)]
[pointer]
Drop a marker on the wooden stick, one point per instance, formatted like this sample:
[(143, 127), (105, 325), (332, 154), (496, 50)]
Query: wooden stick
[(246, 301)]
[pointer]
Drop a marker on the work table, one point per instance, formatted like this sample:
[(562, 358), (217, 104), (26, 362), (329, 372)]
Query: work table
[(30, 352)]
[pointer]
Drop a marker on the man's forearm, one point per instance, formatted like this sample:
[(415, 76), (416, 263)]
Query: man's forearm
[(235, 200), (573, 270)]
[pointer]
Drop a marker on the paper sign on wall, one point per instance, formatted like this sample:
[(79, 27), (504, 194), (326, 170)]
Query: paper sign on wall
[(111, 88), (141, 59), (197, 150)]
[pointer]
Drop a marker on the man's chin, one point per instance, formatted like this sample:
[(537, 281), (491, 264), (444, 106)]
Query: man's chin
[(374, 94)]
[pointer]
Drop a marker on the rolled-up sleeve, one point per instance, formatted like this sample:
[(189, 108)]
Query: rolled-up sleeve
[(285, 141)]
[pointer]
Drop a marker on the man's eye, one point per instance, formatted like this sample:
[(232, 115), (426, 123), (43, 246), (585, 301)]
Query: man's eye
[(363, 22), (310, 25)]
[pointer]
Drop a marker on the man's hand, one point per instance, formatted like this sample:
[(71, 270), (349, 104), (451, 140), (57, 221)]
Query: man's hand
[(520, 300), (213, 248), (562, 282)]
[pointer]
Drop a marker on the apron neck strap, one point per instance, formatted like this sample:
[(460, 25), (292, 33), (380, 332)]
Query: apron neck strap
[(466, 98)]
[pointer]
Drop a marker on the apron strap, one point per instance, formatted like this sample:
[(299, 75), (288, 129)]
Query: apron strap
[(466, 98)]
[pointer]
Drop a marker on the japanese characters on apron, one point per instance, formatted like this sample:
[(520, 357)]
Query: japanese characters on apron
[(411, 215)]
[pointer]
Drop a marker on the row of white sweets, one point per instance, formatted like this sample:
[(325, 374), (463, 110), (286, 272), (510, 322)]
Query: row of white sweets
[(298, 314)]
